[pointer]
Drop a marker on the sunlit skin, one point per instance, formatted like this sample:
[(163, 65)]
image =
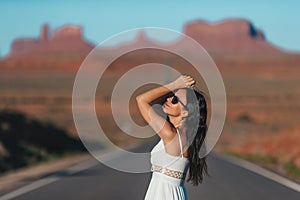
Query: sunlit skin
[(176, 113), (182, 129)]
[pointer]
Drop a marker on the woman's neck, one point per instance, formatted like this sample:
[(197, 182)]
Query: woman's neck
[(176, 121)]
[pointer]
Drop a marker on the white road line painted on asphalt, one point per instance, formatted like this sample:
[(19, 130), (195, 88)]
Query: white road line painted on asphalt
[(90, 163), (30, 187), (261, 171), (47, 180)]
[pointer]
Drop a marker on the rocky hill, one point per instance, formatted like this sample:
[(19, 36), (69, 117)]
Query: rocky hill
[(66, 48), (66, 38), (232, 36)]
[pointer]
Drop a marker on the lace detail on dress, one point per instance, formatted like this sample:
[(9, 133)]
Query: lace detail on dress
[(168, 172)]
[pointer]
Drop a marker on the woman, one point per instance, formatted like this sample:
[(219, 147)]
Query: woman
[(182, 136)]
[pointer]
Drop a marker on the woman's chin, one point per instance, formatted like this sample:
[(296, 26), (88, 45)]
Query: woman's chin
[(165, 110)]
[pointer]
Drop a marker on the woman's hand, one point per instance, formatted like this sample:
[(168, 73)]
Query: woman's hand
[(184, 81), (156, 121)]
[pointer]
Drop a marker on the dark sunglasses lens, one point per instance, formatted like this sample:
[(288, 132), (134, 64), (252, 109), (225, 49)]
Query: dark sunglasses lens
[(175, 100), (171, 94)]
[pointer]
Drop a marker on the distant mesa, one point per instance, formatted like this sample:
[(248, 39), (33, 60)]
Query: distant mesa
[(68, 37), (65, 48), (20, 46), (225, 37), (233, 35)]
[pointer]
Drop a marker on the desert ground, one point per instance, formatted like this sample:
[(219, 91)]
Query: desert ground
[(262, 105)]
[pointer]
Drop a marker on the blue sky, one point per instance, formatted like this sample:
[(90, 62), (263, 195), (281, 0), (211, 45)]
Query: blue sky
[(279, 20)]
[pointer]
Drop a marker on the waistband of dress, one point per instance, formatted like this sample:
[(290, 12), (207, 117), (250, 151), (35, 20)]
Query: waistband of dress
[(163, 177)]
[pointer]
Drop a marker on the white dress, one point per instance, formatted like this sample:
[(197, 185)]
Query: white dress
[(165, 167)]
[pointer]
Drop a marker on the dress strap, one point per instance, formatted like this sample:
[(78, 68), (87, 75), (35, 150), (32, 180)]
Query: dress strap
[(180, 143), (177, 157)]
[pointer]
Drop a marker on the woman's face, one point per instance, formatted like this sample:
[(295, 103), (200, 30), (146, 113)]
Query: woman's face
[(175, 109)]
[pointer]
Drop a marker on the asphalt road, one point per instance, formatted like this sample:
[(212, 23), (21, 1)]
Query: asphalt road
[(227, 181)]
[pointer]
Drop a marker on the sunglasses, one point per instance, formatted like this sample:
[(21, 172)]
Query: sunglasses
[(175, 100)]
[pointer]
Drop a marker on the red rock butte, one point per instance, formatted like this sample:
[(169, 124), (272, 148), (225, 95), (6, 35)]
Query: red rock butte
[(66, 38), (228, 36), (234, 35), (65, 48)]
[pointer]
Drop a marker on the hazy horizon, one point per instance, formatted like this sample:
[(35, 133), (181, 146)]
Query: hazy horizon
[(101, 20)]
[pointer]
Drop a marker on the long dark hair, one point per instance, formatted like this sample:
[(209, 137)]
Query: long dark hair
[(196, 129)]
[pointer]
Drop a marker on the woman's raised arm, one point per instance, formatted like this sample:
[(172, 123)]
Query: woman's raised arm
[(158, 123)]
